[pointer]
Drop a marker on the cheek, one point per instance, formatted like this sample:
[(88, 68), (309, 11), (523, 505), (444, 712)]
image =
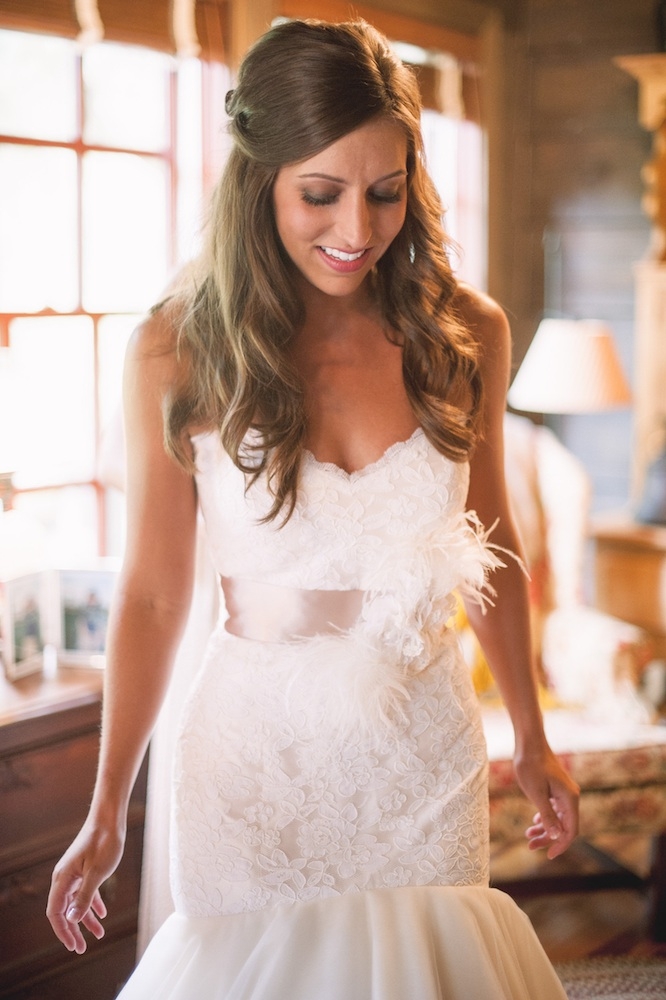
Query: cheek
[(394, 224), (297, 222)]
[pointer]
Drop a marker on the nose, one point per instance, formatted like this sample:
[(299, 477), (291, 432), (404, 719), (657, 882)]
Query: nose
[(355, 224)]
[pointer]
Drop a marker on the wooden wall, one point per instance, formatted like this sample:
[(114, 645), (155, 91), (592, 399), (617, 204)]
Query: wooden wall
[(575, 201)]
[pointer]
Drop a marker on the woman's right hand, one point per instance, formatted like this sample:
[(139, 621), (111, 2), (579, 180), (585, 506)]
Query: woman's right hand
[(75, 898)]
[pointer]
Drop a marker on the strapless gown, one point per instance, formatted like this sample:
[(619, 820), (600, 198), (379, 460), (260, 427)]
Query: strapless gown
[(330, 812)]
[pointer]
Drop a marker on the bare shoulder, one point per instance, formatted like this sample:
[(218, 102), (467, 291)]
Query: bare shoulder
[(482, 315), (489, 324), (152, 348)]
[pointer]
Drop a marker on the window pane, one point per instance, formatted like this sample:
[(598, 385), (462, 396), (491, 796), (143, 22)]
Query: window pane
[(189, 159), (53, 363), (472, 208), (113, 334), (37, 229), (455, 156), (124, 231), (116, 522), (8, 401), (69, 516), (126, 97), (37, 86)]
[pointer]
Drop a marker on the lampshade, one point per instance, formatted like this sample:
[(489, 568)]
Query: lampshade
[(571, 367)]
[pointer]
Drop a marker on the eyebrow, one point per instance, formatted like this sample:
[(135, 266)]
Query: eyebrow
[(341, 180)]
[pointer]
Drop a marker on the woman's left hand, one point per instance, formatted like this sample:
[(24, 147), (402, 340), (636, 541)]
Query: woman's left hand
[(555, 794)]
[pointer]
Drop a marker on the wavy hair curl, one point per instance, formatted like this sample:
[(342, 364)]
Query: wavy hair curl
[(301, 87)]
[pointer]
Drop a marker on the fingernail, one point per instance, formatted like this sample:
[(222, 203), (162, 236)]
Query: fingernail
[(73, 914), (554, 834)]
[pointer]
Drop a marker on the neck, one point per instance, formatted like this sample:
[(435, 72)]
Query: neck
[(330, 316)]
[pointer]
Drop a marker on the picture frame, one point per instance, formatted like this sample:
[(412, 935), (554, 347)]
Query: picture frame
[(83, 602), (24, 624)]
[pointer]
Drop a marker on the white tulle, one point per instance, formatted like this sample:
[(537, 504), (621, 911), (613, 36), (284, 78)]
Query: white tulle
[(400, 944)]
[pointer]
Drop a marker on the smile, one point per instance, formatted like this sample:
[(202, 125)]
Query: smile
[(341, 255)]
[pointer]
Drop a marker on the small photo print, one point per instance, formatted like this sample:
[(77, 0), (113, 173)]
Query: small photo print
[(84, 602), (23, 624)]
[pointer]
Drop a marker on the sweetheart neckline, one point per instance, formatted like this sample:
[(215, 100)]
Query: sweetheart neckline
[(377, 463)]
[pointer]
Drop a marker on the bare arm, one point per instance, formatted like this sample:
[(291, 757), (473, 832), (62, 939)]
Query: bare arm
[(504, 630), (149, 613)]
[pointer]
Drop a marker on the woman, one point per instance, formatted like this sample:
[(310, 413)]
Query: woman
[(333, 399)]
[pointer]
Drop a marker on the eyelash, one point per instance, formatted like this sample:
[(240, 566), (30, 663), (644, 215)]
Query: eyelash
[(322, 202)]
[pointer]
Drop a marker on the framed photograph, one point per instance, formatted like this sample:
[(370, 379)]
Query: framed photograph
[(84, 599), (23, 624)]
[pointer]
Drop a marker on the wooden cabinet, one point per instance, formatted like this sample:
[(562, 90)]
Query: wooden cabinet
[(49, 731), (630, 574)]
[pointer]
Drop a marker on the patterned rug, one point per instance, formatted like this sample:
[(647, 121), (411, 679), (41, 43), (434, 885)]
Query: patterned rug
[(614, 978)]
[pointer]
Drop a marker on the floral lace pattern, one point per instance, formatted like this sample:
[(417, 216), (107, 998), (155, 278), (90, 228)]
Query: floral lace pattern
[(345, 762)]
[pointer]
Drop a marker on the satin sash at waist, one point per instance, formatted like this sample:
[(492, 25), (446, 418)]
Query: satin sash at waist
[(268, 612)]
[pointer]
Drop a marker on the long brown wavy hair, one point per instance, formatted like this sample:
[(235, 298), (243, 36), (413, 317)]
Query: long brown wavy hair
[(301, 87)]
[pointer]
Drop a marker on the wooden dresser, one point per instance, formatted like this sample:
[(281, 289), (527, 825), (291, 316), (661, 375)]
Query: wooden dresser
[(49, 730), (630, 573)]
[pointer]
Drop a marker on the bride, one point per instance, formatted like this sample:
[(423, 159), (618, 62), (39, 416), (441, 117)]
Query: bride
[(331, 397)]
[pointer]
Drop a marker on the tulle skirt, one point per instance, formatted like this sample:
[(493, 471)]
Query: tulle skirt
[(410, 943)]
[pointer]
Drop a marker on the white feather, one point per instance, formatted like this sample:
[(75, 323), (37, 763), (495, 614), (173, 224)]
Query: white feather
[(359, 680)]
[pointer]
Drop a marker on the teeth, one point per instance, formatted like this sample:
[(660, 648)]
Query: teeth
[(341, 255)]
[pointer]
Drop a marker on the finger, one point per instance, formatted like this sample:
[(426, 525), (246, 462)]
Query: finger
[(549, 819), (537, 837), (69, 933), (61, 894), (64, 932), (99, 906), (91, 923), (90, 918), (569, 822), (86, 897)]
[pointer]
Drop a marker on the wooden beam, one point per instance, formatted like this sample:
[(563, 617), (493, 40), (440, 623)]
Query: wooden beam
[(248, 21), (397, 27)]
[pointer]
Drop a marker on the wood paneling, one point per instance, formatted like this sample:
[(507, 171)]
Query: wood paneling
[(576, 189), (398, 26)]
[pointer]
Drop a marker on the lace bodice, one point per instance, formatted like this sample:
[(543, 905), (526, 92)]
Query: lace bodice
[(342, 521)]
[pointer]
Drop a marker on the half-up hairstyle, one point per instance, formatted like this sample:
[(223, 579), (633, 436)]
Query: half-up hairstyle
[(303, 86)]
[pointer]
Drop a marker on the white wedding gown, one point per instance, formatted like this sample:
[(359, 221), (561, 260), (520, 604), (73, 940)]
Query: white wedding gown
[(329, 823)]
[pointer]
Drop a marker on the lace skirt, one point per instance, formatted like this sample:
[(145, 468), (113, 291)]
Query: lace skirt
[(275, 804)]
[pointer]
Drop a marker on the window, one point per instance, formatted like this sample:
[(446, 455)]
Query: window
[(455, 152), (100, 195)]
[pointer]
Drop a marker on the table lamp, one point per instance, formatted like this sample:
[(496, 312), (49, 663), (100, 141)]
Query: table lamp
[(571, 366)]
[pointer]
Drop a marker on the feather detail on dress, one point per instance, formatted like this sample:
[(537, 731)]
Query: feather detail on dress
[(403, 629)]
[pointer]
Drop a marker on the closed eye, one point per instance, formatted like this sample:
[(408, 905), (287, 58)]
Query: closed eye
[(386, 198), (319, 199)]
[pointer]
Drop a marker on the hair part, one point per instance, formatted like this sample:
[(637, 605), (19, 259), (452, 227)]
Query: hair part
[(301, 87)]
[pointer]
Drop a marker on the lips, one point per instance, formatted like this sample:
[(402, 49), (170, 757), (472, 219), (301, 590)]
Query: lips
[(341, 261)]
